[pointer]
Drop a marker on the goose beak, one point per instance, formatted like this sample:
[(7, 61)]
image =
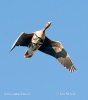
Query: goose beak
[(50, 22)]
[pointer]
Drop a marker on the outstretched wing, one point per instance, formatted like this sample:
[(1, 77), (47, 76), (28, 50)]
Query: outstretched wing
[(56, 50), (22, 40)]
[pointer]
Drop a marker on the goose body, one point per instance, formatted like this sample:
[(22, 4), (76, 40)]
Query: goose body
[(38, 41)]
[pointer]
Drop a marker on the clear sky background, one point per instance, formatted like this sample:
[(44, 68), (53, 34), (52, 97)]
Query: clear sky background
[(42, 77)]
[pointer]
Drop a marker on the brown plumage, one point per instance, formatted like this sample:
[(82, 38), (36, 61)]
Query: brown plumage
[(38, 41)]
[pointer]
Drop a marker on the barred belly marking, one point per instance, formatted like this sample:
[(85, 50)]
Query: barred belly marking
[(35, 46), (36, 42)]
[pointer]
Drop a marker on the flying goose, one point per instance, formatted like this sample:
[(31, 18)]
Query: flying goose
[(38, 41)]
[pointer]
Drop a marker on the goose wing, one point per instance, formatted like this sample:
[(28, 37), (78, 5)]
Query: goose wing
[(22, 40), (56, 50)]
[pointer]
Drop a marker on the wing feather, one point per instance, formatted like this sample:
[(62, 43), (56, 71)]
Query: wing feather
[(22, 40), (56, 50)]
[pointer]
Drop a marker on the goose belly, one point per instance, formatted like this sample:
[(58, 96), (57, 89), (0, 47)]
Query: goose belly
[(34, 47), (35, 44)]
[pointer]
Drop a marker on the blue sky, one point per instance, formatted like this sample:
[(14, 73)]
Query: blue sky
[(42, 77)]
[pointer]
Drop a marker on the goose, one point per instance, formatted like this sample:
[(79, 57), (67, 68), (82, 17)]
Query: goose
[(38, 41)]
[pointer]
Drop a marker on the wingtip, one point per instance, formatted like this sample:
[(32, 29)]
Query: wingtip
[(72, 69), (9, 52)]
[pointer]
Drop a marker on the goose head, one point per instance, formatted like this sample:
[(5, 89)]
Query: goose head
[(47, 25)]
